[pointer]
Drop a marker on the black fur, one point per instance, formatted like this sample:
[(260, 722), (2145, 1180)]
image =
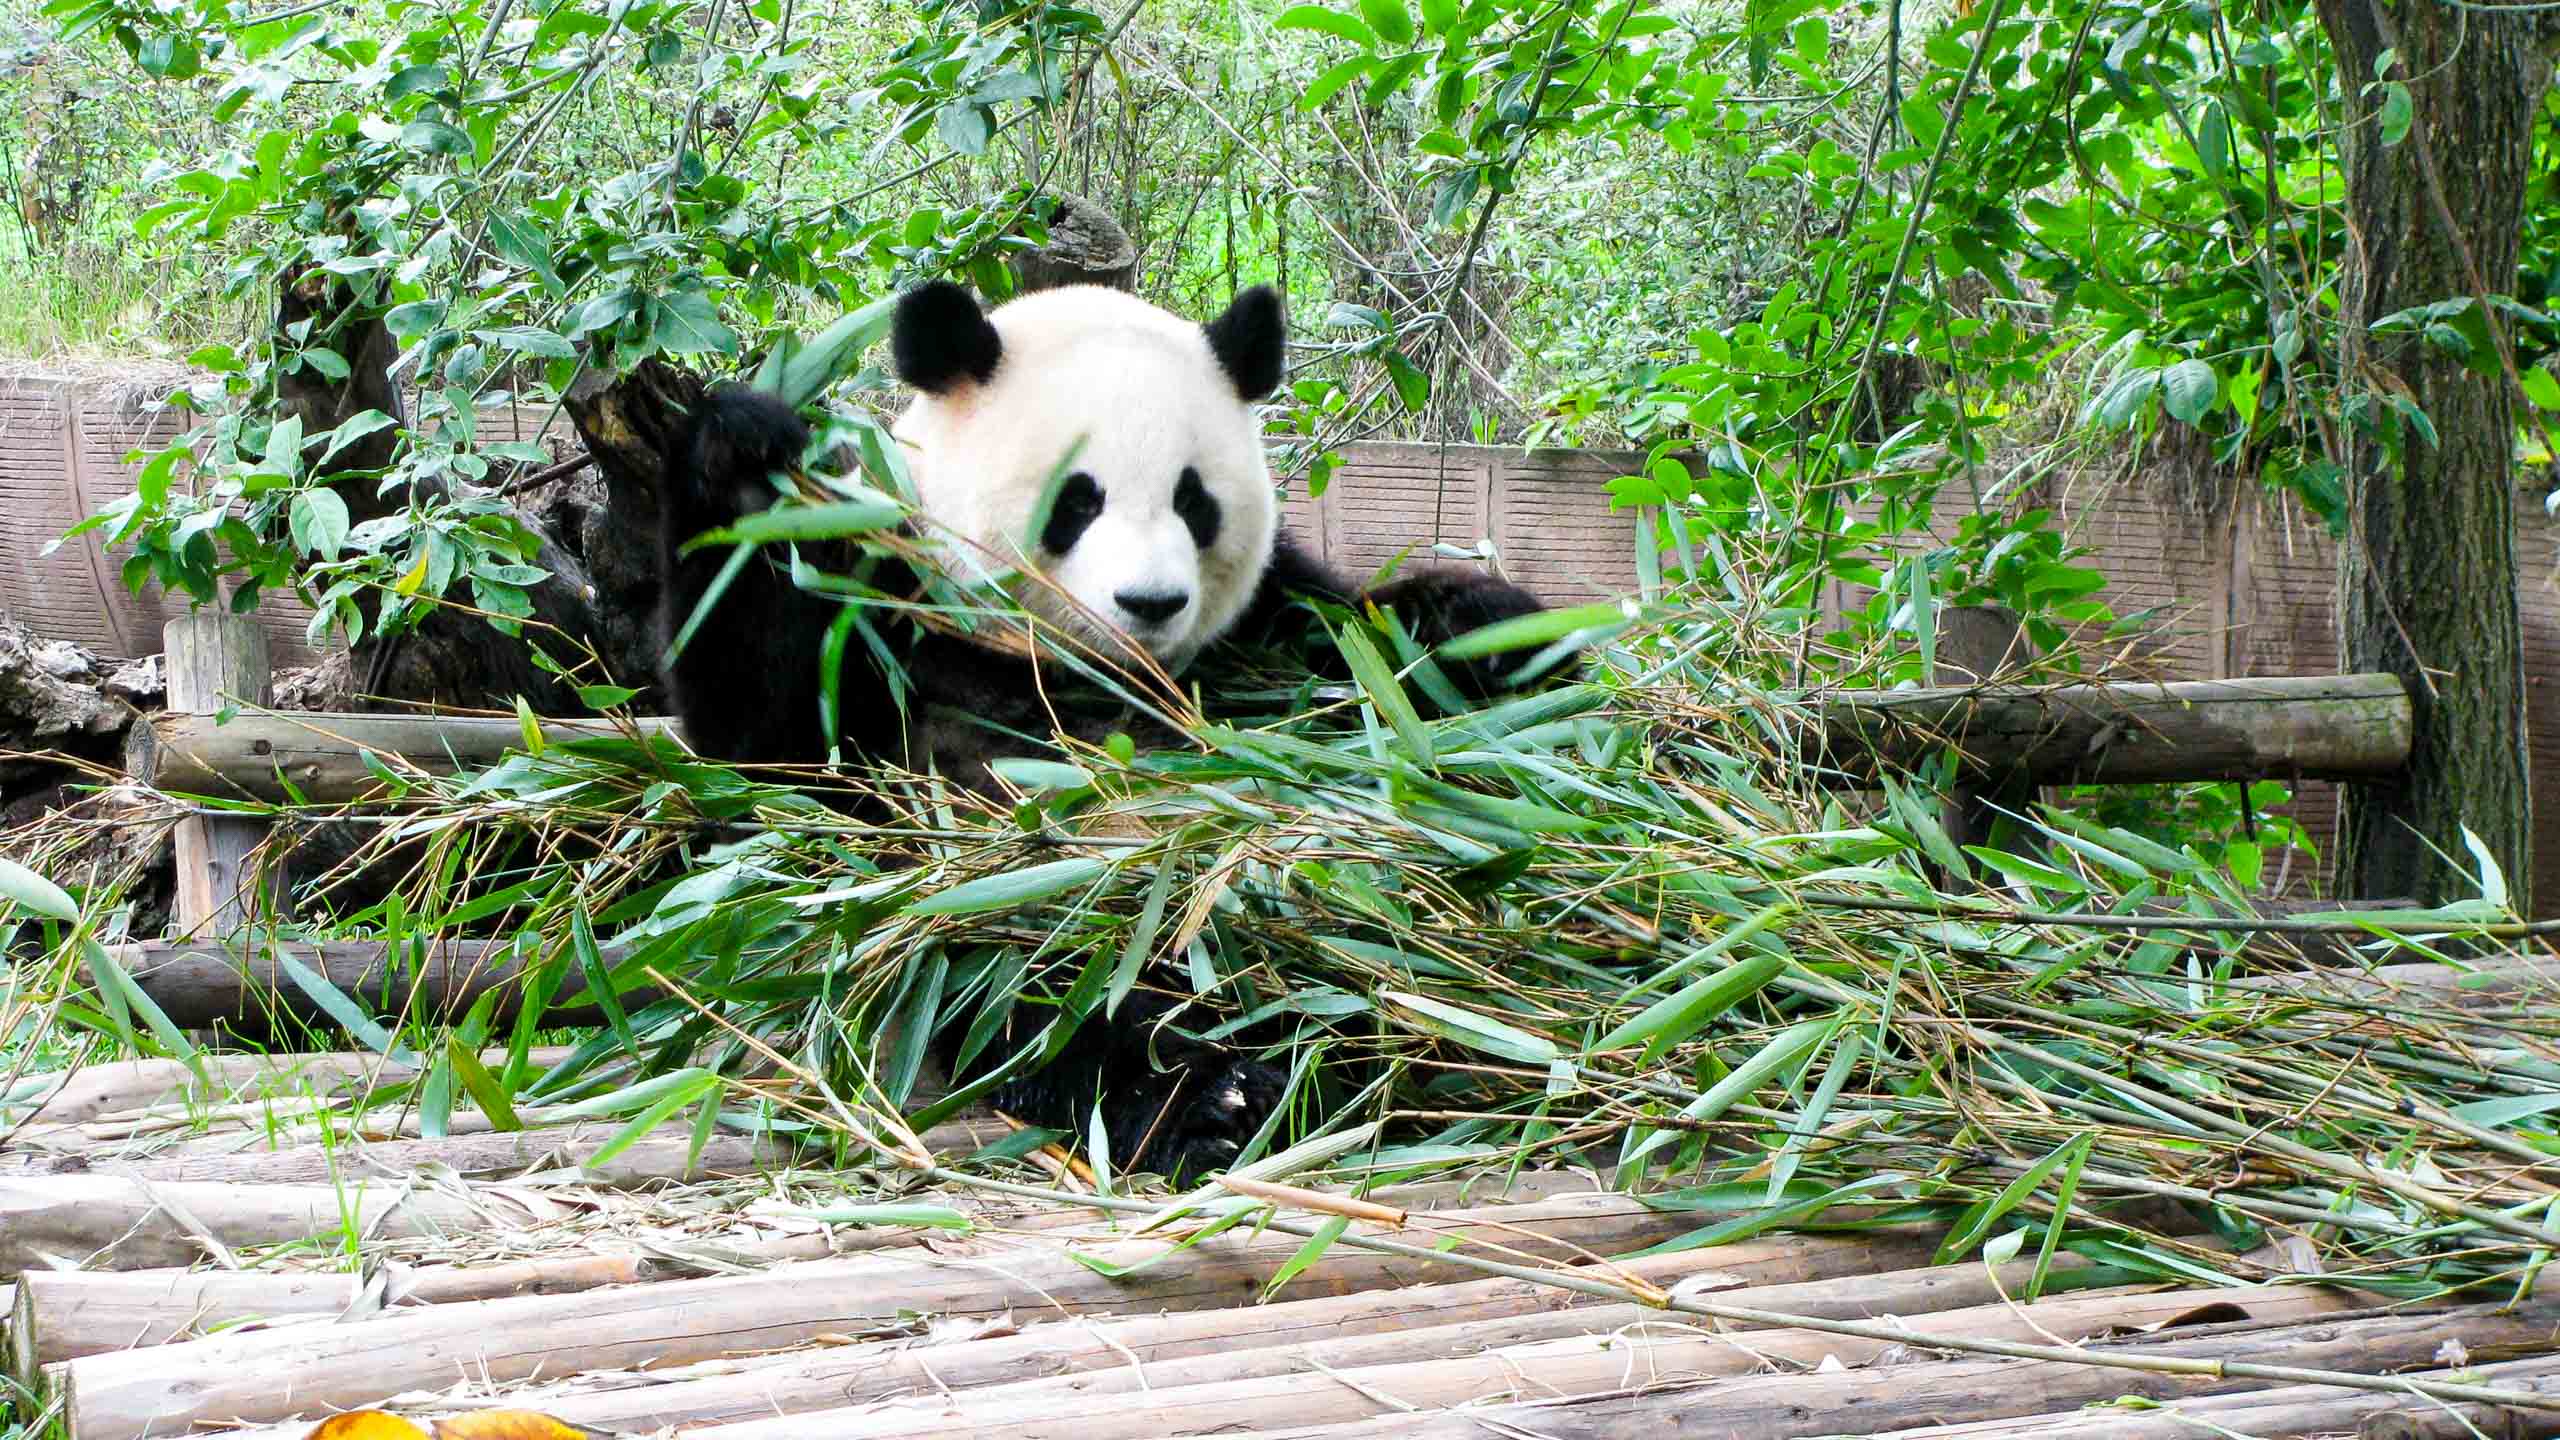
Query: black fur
[(746, 690), (1198, 508), (1079, 504), (940, 337), (1251, 341)]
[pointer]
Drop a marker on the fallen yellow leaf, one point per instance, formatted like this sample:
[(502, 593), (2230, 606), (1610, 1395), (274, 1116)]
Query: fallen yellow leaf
[(366, 1425)]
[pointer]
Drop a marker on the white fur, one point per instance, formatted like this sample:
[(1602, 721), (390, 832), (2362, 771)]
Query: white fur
[(1135, 395)]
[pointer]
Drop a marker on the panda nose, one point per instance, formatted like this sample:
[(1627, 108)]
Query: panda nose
[(1154, 607)]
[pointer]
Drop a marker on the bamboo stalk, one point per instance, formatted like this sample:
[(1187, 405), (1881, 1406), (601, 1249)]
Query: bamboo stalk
[(2289, 1411)]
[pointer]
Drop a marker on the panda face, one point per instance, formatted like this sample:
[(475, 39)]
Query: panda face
[(1104, 444)]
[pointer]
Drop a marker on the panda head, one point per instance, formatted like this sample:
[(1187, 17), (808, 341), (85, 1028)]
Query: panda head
[(1106, 444)]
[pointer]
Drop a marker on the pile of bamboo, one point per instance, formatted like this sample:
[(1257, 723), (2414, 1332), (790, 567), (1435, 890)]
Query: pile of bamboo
[(254, 1247)]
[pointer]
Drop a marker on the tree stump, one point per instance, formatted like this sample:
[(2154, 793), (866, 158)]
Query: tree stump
[(1085, 247)]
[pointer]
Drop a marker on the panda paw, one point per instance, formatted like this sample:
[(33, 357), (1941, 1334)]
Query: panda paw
[(1208, 1122), (738, 440), (1438, 606)]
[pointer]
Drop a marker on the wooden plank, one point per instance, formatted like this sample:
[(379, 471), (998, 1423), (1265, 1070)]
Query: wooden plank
[(2330, 727), (321, 755)]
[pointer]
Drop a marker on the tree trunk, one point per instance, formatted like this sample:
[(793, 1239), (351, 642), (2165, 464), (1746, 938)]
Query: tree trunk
[(2428, 573)]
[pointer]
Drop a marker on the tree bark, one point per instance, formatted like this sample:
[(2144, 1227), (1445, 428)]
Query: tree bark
[(2428, 573)]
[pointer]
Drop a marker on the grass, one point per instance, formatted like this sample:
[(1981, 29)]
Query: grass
[(106, 301)]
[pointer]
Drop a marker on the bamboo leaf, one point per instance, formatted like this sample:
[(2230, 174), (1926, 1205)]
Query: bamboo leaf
[(1475, 1031), (1010, 889), (35, 892)]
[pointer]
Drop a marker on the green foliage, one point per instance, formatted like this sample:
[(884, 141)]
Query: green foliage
[(417, 168)]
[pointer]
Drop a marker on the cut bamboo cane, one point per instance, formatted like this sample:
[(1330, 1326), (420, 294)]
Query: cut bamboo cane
[(1823, 1272), (1629, 1344), (255, 1377), (663, 1156), (1781, 1407), (96, 1091), (2289, 1411), (1288, 1338), (62, 1315), (106, 1222)]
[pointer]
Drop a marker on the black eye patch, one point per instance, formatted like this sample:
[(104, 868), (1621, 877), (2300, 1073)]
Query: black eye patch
[(1079, 504), (1198, 508)]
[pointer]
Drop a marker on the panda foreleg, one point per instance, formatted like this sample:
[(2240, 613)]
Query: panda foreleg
[(1435, 606), (1438, 606), (746, 684)]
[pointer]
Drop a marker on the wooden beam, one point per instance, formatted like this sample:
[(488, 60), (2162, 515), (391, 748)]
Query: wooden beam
[(321, 755), (2310, 727)]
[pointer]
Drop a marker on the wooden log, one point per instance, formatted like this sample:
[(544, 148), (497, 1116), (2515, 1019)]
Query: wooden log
[(1816, 1270), (1625, 1341), (2285, 1411), (1852, 1402), (118, 1087), (105, 1222), (63, 1315), (666, 1156), (323, 755), (198, 984), (2317, 727), (216, 659), (270, 1376)]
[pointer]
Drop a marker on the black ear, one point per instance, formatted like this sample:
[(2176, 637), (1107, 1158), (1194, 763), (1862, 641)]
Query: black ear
[(940, 338), (1251, 341)]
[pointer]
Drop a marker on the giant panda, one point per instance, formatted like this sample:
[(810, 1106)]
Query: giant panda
[(1163, 532)]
